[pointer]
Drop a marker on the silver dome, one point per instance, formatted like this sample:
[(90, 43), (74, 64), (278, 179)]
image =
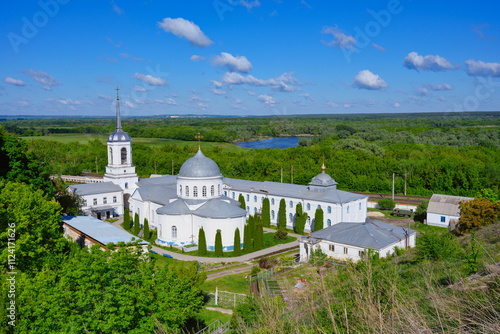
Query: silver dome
[(199, 166), (119, 136), (323, 180)]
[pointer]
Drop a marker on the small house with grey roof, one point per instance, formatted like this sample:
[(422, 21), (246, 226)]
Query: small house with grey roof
[(444, 210), (353, 240)]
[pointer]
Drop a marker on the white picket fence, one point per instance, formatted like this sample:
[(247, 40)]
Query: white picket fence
[(226, 299)]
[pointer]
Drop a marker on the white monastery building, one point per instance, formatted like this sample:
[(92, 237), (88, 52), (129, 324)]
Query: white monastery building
[(201, 197)]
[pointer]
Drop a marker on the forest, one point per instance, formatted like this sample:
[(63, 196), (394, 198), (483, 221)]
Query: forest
[(455, 154)]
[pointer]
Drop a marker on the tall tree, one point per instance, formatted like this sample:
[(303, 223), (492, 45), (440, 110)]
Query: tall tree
[(258, 242), (137, 224), (282, 215), (241, 199), (318, 219), (300, 222), (237, 242), (477, 213), (202, 243), (247, 239), (126, 220), (218, 244), (146, 231), (266, 213)]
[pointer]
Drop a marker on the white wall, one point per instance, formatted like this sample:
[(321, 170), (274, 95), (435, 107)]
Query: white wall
[(118, 205), (435, 219)]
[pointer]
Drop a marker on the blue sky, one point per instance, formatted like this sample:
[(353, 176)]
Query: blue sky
[(254, 57)]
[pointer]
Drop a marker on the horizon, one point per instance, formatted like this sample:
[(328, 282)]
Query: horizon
[(253, 58)]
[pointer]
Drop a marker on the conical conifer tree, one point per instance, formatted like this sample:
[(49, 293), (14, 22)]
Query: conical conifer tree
[(202, 243)]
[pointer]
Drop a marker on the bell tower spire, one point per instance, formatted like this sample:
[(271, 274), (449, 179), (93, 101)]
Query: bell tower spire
[(118, 117)]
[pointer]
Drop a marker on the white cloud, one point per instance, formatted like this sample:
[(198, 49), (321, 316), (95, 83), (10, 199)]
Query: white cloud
[(367, 80), (284, 82), (151, 80), (396, 105), (217, 84), (128, 104), (170, 101), (239, 101), (347, 105), (22, 103), (68, 102), (232, 63), (15, 82), (202, 105), (218, 91), (332, 105), (422, 91), (185, 29), (444, 86), (196, 58), (414, 61), (267, 100), (250, 4), (482, 69), (128, 56), (307, 97), (42, 77), (140, 89), (105, 97), (341, 40), (378, 47), (196, 98)]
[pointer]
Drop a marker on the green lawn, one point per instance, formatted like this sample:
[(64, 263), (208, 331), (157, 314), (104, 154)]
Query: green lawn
[(82, 138), (208, 316), (232, 283)]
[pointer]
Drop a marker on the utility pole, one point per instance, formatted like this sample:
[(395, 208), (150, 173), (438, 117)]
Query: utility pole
[(96, 166), (291, 174), (405, 184), (172, 166), (155, 167), (281, 180), (393, 187)]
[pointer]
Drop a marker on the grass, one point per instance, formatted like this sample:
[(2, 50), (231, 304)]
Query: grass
[(111, 220), (232, 283), (209, 316)]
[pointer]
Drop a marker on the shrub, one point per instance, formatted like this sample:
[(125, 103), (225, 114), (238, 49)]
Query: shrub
[(386, 204), (280, 234), (218, 244)]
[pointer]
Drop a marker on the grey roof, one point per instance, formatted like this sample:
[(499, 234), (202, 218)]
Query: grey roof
[(446, 204), (292, 190), (323, 180), (99, 230), (177, 207), (95, 188), (370, 234), (218, 209), (119, 135), (199, 166), (157, 189)]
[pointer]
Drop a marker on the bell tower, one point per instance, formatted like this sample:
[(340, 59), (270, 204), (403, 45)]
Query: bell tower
[(120, 169)]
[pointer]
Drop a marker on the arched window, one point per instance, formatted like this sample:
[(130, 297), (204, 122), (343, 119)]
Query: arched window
[(272, 201), (319, 207), (195, 191), (290, 216), (124, 155), (255, 198), (248, 209), (110, 156), (262, 199), (254, 210), (225, 193), (359, 205), (328, 222), (234, 195), (187, 190), (204, 191), (126, 185), (180, 190), (218, 189), (347, 209), (291, 204), (309, 220), (248, 197), (272, 214), (174, 232), (159, 231), (212, 190), (329, 209), (308, 206)]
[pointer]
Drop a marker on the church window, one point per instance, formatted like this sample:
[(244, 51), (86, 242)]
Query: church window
[(255, 198), (174, 232), (248, 197), (290, 217), (104, 200), (272, 214), (319, 207), (347, 209), (95, 201), (204, 191), (272, 201), (85, 202), (308, 206), (218, 189), (291, 204), (359, 206), (180, 190), (234, 195), (254, 210), (248, 209), (329, 209), (124, 155), (114, 199), (262, 199), (309, 220), (195, 191), (212, 190), (126, 185), (225, 193), (110, 156), (328, 222), (187, 190)]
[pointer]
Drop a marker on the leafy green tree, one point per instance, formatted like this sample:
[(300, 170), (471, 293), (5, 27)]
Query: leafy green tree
[(241, 199), (477, 213), (282, 215), (435, 246), (202, 242), (126, 220), (421, 211), (218, 244), (300, 219), (237, 242), (318, 219), (146, 231), (266, 213), (137, 224), (386, 204), (490, 194), (247, 239), (258, 234)]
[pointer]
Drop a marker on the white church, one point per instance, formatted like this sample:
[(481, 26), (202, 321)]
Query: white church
[(201, 197)]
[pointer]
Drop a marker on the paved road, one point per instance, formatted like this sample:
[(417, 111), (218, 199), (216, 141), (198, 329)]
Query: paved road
[(243, 258)]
